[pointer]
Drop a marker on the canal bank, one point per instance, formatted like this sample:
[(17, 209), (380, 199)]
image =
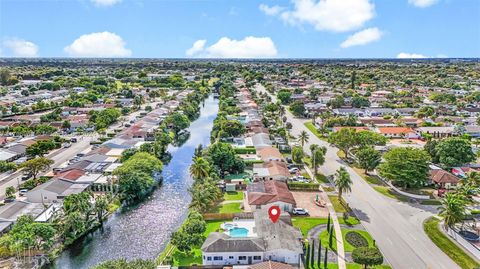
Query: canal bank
[(144, 230)]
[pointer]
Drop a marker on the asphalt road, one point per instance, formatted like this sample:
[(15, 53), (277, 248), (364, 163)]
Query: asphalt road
[(396, 226)]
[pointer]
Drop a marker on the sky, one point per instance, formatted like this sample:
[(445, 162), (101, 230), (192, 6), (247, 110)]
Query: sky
[(240, 28)]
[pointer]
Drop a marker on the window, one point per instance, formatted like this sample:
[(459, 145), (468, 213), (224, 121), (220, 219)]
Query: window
[(218, 258), (242, 258), (230, 257), (256, 258), (209, 258)]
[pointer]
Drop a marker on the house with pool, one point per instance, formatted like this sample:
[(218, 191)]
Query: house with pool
[(252, 241)]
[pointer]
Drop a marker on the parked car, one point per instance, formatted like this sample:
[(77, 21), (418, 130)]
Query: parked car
[(293, 170), (73, 140), (66, 145), (300, 211), (9, 200), (22, 192), (289, 159), (26, 176)]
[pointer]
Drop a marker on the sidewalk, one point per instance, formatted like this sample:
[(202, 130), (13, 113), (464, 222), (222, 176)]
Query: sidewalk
[(336, 225)]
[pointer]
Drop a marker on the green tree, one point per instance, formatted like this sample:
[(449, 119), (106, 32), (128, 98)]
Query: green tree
[(37, 165), (136, 175), (454, 151), (368, 158), (232, 128), (44, 129), (223, 157), (367, 256), (297, 154), (318, 156), (177, 122), (101, 207), (297, 108), (10, 192), (200, 168), (303, 138), (343, 182), (284, 96), (7, 166), (344, 139), (66, 124), (407, 167), (124, 264), (452, 209), (359, 101)]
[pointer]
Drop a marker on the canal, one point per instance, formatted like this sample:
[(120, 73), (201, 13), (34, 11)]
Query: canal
[(144, 231)]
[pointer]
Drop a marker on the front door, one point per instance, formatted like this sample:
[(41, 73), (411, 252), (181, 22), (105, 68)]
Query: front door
[(249, 259)]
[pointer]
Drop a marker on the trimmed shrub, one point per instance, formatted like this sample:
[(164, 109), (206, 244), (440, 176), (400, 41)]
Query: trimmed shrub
[(245, 150), (367, 256), (299, 186), (355, 239)]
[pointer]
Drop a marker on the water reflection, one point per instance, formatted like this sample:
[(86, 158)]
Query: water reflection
[(144, 231)]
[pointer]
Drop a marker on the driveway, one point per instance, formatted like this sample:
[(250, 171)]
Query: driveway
[(307, 200), (397, 227)]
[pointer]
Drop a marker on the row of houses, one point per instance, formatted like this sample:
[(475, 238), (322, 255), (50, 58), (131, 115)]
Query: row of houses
[(255, 239)]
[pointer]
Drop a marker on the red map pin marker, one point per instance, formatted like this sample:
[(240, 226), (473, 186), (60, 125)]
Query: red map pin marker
[(274, 213)]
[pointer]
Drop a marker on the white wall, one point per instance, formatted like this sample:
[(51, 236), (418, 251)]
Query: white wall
[(282, 255), (226, 258)]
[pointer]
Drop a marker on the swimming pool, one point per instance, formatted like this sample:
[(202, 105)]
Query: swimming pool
[(238, 232)]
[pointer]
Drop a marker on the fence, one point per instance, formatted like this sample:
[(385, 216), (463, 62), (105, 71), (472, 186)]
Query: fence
[(227, 216)]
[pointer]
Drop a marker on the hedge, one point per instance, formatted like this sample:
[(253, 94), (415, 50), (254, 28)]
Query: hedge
[(299, 186), (355, 239), (245, 150)]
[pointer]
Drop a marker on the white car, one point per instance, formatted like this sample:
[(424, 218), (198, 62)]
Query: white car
[(293, 170), (300, 211)]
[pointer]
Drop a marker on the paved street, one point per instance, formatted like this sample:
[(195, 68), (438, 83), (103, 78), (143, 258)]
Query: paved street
[(396, 226), (58, 156)]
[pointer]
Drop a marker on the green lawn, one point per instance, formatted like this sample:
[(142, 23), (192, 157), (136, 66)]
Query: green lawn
[(314, 130), (337, 205), (227, 208), (446, 245), (324, 235), (306, 223), (350, 248), (195, 256), (321, 178), (233, 196)]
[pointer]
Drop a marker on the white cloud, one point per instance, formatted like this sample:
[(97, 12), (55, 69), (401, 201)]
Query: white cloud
[(20, 47), (197, 47), (270, 11), (405, 55), (362, 38), (330, 15), (102, 44), (422, 3), (249, 47), (105, 3)]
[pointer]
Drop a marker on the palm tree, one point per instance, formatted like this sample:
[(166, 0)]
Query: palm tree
[(200, 168), (303, 138), (452, 209), (343, 182), (318, 156)]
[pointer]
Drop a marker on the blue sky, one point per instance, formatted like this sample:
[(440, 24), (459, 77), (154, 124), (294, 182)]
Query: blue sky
[(240, 28)]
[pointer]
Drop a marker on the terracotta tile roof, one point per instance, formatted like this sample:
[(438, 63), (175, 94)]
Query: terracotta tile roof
[(266, 192), (70, 175), (271, 265), (269, 152), (277, 168), (441, 176), (395, 130)]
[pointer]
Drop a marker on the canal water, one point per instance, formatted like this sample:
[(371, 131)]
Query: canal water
[(144, 231)]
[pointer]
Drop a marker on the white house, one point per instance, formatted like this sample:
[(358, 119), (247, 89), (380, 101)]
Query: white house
[(279, 241)]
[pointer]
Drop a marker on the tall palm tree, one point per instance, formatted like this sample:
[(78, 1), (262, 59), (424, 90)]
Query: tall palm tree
[(452, 209), (318, 156), (343, 182), (303, 138), (200, 168)]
